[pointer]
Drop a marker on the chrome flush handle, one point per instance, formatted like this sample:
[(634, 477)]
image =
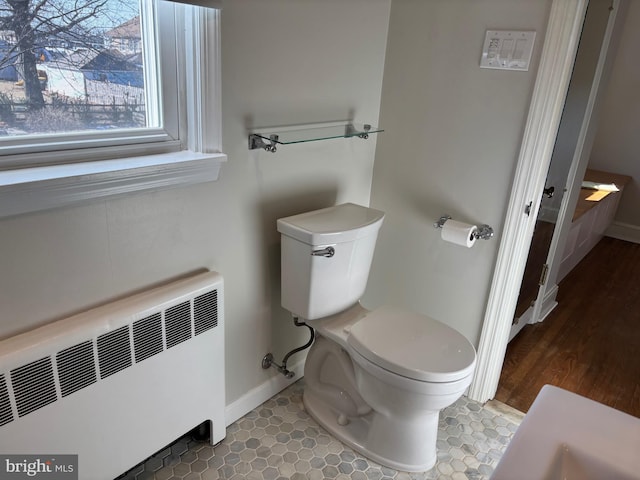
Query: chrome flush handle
[(325, 252)]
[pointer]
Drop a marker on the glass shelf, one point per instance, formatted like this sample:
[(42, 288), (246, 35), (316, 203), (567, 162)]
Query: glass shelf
[(290, 135)]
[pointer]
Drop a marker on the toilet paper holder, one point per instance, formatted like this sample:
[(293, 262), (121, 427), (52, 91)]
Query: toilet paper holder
[(484, 231)]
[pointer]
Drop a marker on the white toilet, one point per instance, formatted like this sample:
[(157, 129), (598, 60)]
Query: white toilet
[(376, 380)]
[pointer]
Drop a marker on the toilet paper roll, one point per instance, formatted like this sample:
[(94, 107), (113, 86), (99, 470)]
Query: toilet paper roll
[(459, 233)]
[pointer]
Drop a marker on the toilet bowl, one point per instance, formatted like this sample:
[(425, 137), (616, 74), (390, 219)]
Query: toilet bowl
[(375, 379), (373, 406)]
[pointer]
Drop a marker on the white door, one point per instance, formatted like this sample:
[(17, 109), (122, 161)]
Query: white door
[(537, 293)]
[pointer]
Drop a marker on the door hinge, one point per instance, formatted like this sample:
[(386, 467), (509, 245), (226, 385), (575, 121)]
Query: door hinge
[(543, 275), (527, 208)]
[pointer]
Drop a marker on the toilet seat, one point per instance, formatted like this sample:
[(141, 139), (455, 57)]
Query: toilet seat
[(422, 349)]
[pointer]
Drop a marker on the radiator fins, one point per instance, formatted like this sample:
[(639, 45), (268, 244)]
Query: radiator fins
[(5, 405), (114, 351), (147, 337), (177, 322), (33, 385), (76, 368), (205, 312)]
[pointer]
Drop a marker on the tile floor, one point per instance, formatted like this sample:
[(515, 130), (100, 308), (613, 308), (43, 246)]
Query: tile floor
[(278, 440)]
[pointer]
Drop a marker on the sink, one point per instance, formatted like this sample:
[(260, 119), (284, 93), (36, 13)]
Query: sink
[(568, 437), (571, 463)]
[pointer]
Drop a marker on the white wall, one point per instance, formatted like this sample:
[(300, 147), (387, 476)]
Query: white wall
[(452, 138), (617, 144), (289, 62), (284, 62)]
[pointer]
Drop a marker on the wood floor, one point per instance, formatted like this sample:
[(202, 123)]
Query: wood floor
[(590, 343)]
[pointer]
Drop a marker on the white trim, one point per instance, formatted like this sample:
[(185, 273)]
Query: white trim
[(548, 303), (68, 147), (202, 3), (624, 231), (554, 73), (546, 299), (529, 317), (41, 188), (523, 320), (79, 150), (203, 79), (150, 53), (260, 394)]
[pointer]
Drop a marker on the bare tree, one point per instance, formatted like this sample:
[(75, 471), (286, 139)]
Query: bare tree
[(36, 22)]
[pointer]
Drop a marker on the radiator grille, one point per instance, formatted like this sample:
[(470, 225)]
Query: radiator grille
[(76, 368), (178, 324), (147, 337), (205, 312), (33, 386), (114, 351), (5, 405)]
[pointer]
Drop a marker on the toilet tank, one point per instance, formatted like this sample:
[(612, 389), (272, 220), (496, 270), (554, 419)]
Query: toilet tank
[(326, 257)]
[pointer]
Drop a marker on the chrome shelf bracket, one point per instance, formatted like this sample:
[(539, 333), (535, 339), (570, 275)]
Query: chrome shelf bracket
[(256, 141), (351, 131)]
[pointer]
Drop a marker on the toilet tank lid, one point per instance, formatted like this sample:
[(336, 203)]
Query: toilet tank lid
[(342, 223), (413, 345)]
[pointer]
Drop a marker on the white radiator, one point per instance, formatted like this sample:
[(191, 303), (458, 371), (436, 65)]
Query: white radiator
[(117, 383)]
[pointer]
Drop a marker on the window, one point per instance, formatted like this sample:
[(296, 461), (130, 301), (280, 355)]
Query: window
[(106, 86), (72, 68)]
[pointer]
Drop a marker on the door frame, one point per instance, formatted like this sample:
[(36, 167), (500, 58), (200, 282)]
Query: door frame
[(546, 300), (552, 82)]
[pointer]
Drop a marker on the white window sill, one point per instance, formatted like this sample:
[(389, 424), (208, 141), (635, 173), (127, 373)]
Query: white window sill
[(42, 188)]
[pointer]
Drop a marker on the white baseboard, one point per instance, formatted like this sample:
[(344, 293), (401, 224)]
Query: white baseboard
[(260, 394), (624, 231)]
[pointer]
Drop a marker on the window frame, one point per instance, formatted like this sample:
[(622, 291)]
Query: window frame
[(91, 166)]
